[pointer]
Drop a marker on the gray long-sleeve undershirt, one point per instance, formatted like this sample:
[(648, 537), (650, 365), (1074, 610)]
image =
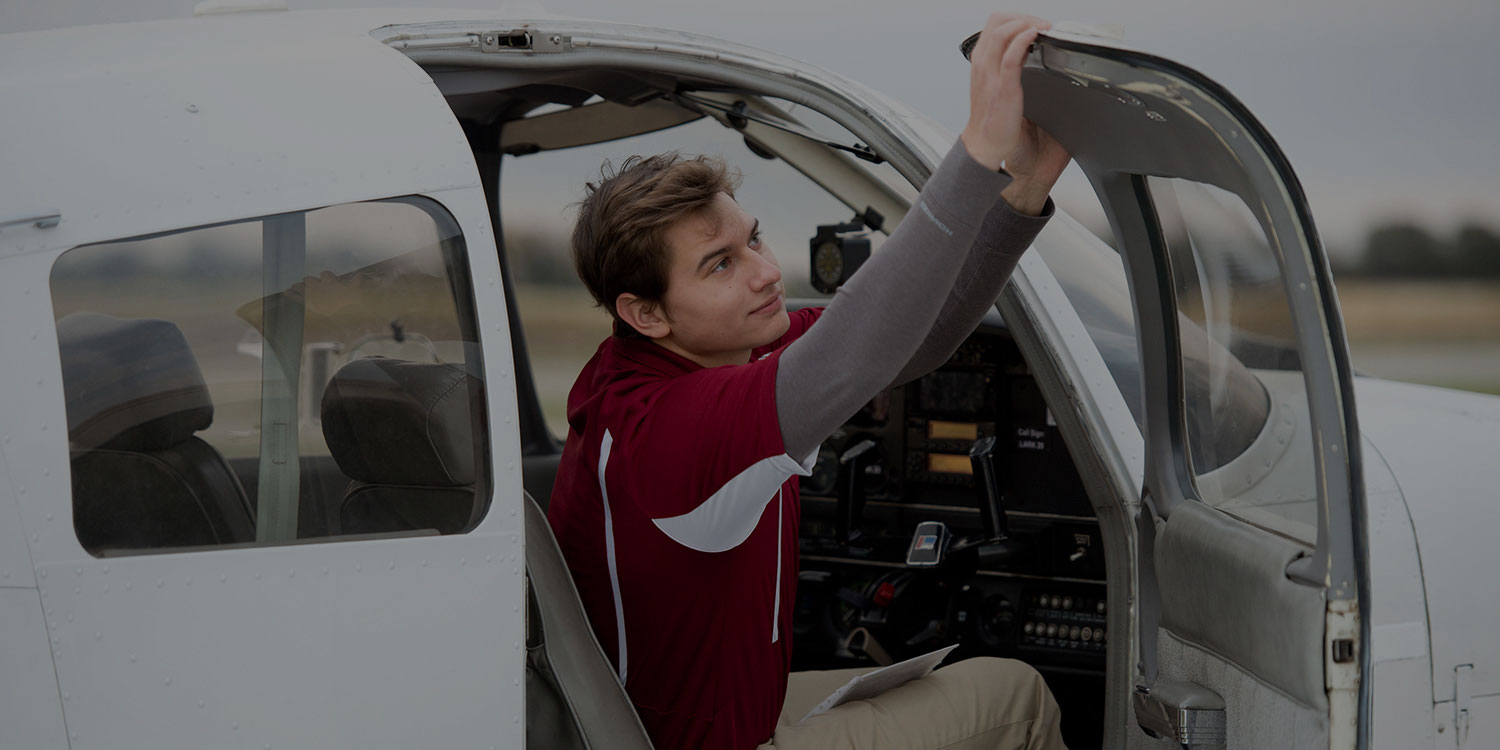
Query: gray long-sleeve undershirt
[(910, 305)]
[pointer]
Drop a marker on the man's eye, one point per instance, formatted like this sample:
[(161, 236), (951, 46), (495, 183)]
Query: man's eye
[(720, 266), (755, 240)]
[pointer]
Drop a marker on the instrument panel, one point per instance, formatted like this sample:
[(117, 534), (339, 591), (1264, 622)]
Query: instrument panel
[(904, 459)]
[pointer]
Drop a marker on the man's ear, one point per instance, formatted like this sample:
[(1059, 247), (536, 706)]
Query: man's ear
[(643, 315)]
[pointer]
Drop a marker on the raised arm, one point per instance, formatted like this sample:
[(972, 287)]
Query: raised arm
[(1010, 226), (878, 321), (1003, 238)]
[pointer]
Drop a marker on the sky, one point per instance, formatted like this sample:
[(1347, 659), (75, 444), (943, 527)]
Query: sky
[(1388, 110)]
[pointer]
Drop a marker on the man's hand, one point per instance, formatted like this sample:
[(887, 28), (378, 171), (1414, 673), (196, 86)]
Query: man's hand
[(995, 129), (1035, 164)]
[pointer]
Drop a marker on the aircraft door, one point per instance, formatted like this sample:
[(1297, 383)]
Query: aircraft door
[(1250, 560)]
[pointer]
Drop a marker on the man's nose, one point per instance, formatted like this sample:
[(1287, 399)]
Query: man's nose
[(767, 272)]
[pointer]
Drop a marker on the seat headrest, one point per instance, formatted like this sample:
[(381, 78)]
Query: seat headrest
[(130, 384), (389, 421)]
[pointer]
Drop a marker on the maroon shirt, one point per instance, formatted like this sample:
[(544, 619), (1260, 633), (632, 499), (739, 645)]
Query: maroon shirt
[(676, 508)]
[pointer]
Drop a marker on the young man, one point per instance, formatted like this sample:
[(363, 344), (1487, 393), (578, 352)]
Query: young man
[(676, 499)]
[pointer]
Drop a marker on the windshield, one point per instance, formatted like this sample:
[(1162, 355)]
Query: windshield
[(1092, 276)]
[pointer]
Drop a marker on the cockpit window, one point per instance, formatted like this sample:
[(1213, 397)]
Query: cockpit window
[(1244, 405), (1092, 275), (304, 375), (1244, 398)]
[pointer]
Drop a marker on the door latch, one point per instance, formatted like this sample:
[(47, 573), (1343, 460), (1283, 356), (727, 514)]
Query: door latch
[(1189, 714), (524, 40), (1463, 695)]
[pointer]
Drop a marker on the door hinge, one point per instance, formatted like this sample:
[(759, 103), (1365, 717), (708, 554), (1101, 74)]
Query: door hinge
[(44, 219), (524, 40), (1463, 695), (1188, 714)]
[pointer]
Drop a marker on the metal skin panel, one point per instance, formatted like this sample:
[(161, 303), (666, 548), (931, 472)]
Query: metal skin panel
[(224, 117), (15, 560), (1402, 690), (368, 644), (1484, 725), (30, 713), (1440, 446), (379, 644)]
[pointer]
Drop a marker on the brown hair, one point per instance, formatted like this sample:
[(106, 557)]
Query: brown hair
[(619, 242)]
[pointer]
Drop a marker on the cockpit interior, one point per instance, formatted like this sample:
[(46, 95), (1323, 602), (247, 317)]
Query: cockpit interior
[(948, 510)]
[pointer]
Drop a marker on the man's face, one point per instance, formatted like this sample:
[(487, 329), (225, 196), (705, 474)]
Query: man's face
[(724, 294)]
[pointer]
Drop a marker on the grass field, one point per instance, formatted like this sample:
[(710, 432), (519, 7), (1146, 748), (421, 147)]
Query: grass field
[(1437, 333), (1385, 312)]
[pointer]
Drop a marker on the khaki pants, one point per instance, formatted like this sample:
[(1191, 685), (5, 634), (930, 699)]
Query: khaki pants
[(976, 703)]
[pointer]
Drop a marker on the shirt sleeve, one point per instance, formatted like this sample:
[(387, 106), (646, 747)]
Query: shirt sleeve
[(1004, 237), (884, 313), (716, 456)]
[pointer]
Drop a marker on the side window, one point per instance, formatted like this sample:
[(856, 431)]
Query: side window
[(1245, 408), (305, 375)]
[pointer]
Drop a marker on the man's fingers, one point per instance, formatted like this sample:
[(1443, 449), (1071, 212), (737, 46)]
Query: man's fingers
[(1000, 19), (995, 41), (1000, 40), (1015, 52), (994, 36)]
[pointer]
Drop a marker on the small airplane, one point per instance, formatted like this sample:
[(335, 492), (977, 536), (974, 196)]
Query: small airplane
[(274, 459)]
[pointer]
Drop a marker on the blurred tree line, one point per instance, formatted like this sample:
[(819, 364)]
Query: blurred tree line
[(1410, 251), (539, 257)]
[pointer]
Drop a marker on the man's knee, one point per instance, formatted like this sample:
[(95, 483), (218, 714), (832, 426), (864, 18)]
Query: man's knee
[(1008, 679)]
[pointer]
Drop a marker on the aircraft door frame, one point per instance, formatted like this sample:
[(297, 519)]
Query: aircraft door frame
[(1166, 121)]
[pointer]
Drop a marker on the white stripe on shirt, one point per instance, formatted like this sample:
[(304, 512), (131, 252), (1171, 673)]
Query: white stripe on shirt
[(776, 609), (609, 551), (724, 521)]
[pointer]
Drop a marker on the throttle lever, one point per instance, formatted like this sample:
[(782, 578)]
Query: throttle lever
[(849, 512), (987, 484)]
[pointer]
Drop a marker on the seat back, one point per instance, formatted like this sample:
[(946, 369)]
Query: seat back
[(135, 398), (404, 433), (574, 699)]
